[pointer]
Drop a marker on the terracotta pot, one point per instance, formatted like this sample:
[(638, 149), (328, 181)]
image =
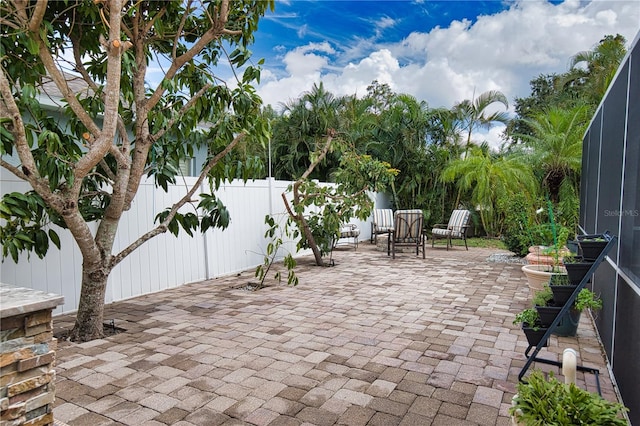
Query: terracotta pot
[(538, 256)]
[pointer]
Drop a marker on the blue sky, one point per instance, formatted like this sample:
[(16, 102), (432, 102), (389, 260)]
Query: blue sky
[(441, 52)]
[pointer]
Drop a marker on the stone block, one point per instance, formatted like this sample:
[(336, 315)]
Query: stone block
[(27, 352), (43, 420), (15, 344), (36, 361), (40, 401), (16, 377), (8, 376), (26, 396), (39, 318), (13, 412), (46, 338), (15, 356), (38, 329), (12, 323), (29, 384)]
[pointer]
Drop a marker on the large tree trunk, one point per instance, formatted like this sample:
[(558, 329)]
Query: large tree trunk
[(90, 316)]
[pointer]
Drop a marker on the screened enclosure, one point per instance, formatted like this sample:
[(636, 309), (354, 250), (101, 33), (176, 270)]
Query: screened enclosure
[(610, 201)]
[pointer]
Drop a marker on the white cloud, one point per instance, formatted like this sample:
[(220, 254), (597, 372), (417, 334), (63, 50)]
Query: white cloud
[(302, 61), (502, 52), (385, 22)]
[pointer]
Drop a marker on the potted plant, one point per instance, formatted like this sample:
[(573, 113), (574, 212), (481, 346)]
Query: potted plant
[(577, 268), (548, 310), (591, 245), (533, 329), (568, 325), (562, 288), (539, 273), (543, 297), (542, 401), (545, 305)]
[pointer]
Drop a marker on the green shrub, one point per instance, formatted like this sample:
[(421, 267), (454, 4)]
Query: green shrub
[(516, 222), (550, 402)]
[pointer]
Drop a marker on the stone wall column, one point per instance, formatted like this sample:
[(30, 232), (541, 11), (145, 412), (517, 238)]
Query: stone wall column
[(27, 354)]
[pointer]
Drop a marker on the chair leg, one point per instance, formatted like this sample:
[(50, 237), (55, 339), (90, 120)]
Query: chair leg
[(465, 242), (389, 245)]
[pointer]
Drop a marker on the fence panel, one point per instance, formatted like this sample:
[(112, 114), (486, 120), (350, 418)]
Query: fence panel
[(165, 261)]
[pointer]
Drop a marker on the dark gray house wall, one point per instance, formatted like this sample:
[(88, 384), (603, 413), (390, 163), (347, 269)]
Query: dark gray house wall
[(610, 200)]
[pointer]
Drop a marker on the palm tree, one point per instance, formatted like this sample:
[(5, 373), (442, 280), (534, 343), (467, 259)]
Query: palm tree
[(301, 130), (489, 177), (556, 146), (399, 137), (601, 65), (472, 113)]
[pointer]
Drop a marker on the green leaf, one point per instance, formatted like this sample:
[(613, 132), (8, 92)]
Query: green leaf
[(24, 237), (54, 238), (14, 251)]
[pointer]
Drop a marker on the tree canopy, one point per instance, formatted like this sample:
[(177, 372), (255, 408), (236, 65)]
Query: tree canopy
[(117, 122)]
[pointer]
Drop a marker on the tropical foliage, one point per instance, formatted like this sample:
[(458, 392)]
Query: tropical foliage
[(490, 177)]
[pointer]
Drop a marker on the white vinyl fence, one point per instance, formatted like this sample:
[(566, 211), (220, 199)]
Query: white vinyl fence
[(165, 261)]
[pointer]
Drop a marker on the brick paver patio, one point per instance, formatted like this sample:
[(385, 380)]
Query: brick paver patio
[(370, 341)]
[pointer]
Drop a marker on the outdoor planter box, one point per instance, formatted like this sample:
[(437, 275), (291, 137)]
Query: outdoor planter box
[(534, 334), (562, 293), (577, 270), (568, 324), (591, 245), (547, 314)]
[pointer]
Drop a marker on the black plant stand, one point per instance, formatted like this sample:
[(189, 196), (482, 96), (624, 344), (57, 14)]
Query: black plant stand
[(533, 356)]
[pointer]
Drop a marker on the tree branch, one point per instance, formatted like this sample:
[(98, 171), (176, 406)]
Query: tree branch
[(107, 170), (38, 14), (61, 83), (162, 227), (159, 15), (180, 113), (180, 29), (13, 169), (10, 108), (105, 136), (325, 149), (213, 33)]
